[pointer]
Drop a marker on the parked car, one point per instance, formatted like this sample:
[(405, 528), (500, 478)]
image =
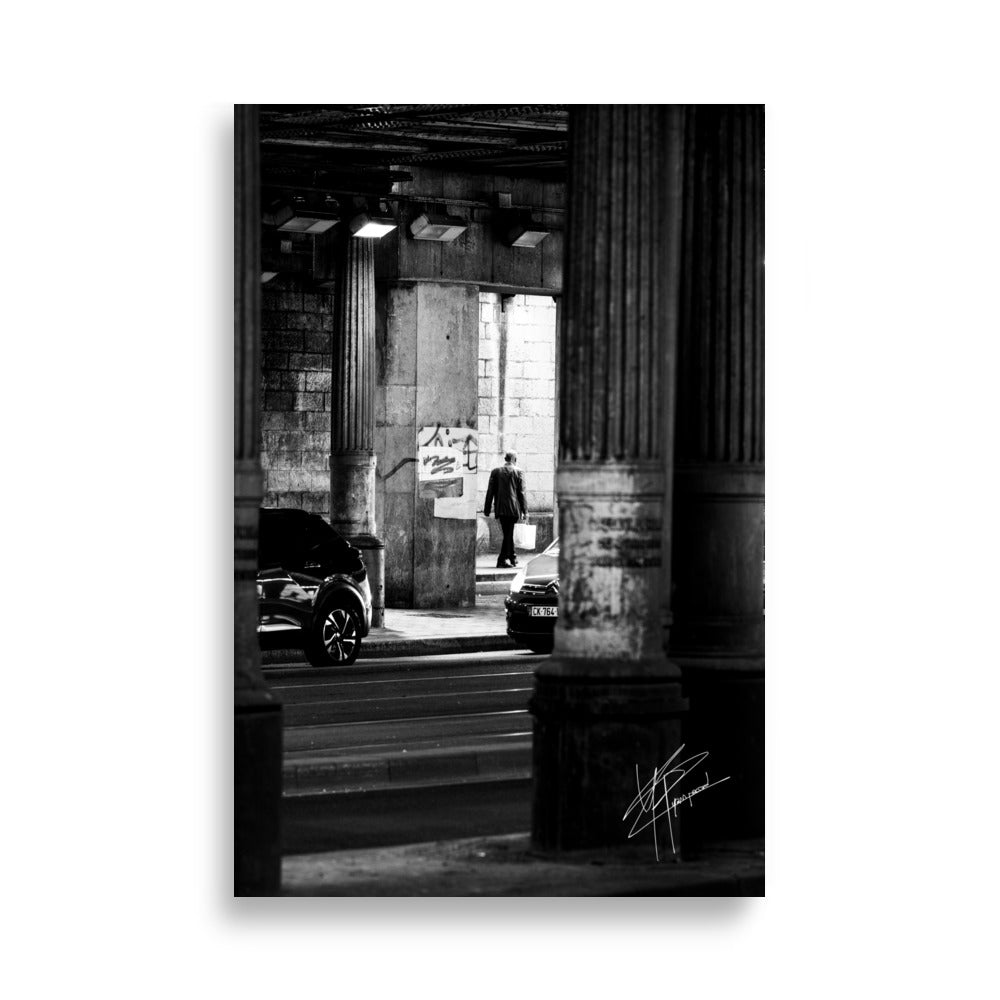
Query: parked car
[(533, 603), (312, 588)]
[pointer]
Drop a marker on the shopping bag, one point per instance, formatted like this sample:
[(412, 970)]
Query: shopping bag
[(524, 535)]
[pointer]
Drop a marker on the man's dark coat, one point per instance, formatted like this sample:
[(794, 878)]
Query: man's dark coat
[(506, 492)]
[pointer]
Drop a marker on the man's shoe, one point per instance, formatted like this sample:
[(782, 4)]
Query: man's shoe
[(513, 561), (503, 564)]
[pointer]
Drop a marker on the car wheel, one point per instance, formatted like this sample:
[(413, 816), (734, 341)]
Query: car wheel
[(334, 640)]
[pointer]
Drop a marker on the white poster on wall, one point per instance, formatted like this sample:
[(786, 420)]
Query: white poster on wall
[(447, 464)]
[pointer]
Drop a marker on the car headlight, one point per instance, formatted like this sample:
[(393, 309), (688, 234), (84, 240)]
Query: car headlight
[(518, 581)]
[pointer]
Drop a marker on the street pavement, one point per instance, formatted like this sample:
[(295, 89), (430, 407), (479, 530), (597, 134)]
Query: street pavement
[(409, 720), (427, 735), (395, 816), (411, 774), (398, 750)]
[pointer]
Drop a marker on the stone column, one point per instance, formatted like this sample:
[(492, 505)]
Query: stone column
[(718, 604), (607, 699), (352, 412), (558, 396), (257, 724)]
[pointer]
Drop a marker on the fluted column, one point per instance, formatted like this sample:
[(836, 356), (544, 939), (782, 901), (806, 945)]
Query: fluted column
[(352, 416), (607, 699), (718, 603), (257, 727)]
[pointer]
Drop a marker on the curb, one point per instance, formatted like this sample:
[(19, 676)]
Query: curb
[(385, 648)]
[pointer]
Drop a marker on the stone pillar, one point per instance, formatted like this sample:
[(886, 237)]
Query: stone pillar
[(718, 631), (607, 699), (352, 410), (257, 723), (558, 396)]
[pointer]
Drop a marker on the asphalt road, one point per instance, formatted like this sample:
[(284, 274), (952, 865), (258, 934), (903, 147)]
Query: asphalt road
[(404, 750), (405, 815)]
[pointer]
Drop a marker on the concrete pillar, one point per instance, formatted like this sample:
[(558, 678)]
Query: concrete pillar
[(558, 396), (607, 699), (718, 631), (352, 411), (257, 722)]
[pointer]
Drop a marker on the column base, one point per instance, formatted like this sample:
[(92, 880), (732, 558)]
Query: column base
[(257, 795), (589, 736), (373, 551), (726, 718)]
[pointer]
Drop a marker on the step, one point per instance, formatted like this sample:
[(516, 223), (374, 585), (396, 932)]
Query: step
[(300, 688), (334, 773), (491, 574), (410, 705), (373, 737)]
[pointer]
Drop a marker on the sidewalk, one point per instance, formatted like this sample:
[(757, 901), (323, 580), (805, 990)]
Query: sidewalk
[(437, 632), (508, 866), (482, 629)]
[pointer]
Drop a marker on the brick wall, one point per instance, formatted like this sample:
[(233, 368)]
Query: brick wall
[(296, 341)]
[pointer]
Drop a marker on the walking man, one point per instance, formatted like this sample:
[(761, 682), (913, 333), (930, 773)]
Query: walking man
[(506, 495)]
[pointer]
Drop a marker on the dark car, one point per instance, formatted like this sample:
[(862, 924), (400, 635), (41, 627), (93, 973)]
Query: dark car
[(533, 604), (312, 588)]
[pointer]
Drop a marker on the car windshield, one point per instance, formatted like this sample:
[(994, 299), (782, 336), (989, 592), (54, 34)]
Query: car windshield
[(553, 548), (289, 537)]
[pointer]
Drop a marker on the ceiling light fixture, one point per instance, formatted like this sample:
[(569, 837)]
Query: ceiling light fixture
[(371, 227), (300, 217), (312, 221), (525, 232), (439, 227), (277, 213)]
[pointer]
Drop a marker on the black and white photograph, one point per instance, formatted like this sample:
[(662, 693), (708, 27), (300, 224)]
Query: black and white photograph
[(499, 511)]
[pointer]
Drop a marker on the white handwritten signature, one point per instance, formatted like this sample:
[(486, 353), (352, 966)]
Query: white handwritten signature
[(651, 805)]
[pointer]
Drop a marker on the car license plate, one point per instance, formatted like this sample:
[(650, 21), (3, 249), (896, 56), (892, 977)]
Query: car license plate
[(543, 612)]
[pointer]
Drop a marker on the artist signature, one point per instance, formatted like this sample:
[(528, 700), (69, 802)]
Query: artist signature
[(653, 800)]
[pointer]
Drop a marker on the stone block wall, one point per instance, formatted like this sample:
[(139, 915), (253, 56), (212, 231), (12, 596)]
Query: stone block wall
[(296, 361), (517, 396)]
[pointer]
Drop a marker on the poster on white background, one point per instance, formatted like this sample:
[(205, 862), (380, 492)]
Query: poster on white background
[(447, 464)]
